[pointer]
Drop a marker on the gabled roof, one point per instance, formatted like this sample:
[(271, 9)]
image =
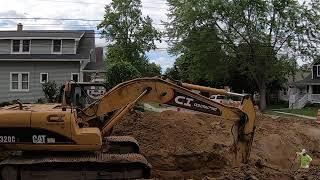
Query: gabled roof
[(299, 75), (37, 34), (316, 61)]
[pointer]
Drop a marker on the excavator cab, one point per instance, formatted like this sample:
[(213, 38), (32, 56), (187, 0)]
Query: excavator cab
[(81, 94)]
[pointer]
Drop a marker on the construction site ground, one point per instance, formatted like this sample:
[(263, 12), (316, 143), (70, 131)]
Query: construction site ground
[(181, 145)]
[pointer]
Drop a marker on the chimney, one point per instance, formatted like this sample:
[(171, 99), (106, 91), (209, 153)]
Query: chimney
[(19, 27), (99, 55)]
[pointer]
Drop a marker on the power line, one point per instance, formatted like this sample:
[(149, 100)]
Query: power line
[(57, 24), (93, 27), (91, 3), (61, 24), (42, 18), (59, 19), (58, 28), (82, 2)]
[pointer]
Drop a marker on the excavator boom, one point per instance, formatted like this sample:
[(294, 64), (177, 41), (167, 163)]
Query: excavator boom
[(123, 97)]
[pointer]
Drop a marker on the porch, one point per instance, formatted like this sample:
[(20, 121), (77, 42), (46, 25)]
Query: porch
[(299, 96)]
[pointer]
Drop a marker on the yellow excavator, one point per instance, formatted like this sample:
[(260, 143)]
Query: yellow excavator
[(72, 141)]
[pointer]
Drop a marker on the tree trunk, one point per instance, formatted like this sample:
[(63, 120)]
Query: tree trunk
[(262, 91)]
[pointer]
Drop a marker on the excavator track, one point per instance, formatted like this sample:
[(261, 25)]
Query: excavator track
[(121, 145), (75, 166)]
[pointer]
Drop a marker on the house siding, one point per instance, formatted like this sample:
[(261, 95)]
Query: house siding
[(5, 46), (68, 46), (86, 45), (41, 46), (57, 71)]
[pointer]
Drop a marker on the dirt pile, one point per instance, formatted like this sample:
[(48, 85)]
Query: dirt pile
[(179, 141), (182, 145), (277, 140)]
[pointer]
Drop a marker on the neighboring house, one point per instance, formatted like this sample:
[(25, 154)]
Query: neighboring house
[(96, 71), (306, 90), (28, 58), (283, 94)]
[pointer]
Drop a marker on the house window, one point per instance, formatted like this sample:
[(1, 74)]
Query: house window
[(56, 46), (44, 77), (21, 46), (26, 46), (75, 77), (14, 81), (315, 89), (19, 81), (15, 46)]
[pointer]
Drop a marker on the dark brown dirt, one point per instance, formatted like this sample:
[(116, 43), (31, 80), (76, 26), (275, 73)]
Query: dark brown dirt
[(198, 146)]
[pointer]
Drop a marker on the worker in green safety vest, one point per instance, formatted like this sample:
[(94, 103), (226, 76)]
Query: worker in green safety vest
[(305, 159)]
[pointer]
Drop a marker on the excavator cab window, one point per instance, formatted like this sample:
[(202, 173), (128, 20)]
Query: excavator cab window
[(79, 100), (83, 94)]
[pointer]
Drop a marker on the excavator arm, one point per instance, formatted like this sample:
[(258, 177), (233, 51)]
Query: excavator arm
[(124, 96), (80, 151)]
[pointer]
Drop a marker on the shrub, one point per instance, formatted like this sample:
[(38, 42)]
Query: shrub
[(5, 104), (119, 72), (50, 91)]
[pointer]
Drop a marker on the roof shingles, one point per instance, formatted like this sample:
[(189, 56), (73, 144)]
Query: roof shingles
[(307, 81), (72, 34), (95, 66)]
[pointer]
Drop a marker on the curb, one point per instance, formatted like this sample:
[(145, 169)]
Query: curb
[(297, 115)]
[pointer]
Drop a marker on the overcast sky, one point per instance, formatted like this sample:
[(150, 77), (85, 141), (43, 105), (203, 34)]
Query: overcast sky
[(85, 9)]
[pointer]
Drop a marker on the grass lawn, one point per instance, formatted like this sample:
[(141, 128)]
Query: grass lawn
[(277, 106), (307, 111)]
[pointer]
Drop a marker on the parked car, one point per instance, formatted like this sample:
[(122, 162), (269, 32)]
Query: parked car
[(225, 100), (218, 98)]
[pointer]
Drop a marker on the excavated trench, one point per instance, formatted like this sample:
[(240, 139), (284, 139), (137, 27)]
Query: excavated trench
[(183, 145)]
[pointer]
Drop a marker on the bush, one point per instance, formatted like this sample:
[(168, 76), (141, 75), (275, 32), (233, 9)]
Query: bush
[(119, 72), (5, 104), (50, 91), (41, 101)]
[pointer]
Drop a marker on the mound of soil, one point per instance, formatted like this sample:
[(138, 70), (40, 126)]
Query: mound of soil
[(183, 145)]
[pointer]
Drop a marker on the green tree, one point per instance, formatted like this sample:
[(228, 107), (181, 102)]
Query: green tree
[(173, 72), (50, 90), (119, 72), (130, 36), (260, 34), (201, 57), (152, 69)]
